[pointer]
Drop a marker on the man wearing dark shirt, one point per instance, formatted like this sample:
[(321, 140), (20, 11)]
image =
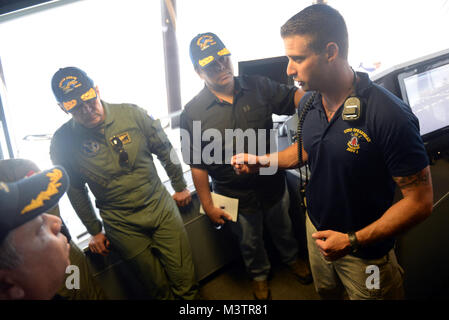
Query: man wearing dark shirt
[(358, 139), (240, 105)]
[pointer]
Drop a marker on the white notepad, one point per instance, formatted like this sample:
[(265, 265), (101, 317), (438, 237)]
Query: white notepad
[(230, 205)]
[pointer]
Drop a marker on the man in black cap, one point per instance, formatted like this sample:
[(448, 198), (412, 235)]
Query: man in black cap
[(12, 170), (241, 103), (34, 254), (110, 148)]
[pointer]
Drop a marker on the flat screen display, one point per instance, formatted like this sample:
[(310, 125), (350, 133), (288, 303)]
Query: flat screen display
[(274, 68), (427, 93)]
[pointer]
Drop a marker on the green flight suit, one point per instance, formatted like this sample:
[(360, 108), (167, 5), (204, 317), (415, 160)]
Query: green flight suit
[(140, 218)]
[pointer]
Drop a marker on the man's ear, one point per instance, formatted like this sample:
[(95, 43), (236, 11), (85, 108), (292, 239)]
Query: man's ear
[(332, 51), (9, 289)]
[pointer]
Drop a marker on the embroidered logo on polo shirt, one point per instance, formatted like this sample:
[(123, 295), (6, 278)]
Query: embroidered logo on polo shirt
[(356, 136)]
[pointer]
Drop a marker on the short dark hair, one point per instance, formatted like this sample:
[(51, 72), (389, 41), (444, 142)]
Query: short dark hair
[(323, 23)]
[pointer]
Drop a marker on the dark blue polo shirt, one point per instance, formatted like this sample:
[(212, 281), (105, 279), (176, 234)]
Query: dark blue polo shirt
[(255, 100), (352, 162)]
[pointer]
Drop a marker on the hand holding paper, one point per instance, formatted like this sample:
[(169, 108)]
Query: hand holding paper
[(229, 205)]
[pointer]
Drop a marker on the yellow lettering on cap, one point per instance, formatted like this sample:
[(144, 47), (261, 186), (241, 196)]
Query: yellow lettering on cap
[(206, 61), (69, 104), (89, 95), (205, 41), (52, 189), (223, 52), (71, 78), (69, 83)]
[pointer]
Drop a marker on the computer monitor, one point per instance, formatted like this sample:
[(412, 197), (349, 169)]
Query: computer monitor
[(274, 68), (426, 89)]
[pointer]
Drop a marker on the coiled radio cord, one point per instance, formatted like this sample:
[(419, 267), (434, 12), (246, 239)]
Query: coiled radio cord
[(301, 118)]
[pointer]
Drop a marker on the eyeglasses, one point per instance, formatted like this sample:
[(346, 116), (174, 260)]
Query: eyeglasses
[(117, 144)]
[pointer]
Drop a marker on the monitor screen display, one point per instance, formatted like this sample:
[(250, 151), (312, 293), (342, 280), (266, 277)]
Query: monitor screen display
[(274, 68), (427, 93)]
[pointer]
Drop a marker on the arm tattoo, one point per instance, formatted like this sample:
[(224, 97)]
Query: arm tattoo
[(420, 178)]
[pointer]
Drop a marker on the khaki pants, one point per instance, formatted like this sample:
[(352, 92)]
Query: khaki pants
[(362, 279)]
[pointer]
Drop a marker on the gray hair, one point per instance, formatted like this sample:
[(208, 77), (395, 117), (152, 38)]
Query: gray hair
[(9, 257)]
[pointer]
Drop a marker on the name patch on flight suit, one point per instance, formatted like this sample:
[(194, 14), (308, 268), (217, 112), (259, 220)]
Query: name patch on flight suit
[(90, 148), (124, 137)]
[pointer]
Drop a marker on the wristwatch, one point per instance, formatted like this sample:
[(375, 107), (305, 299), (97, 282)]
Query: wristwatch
[(355, 245)]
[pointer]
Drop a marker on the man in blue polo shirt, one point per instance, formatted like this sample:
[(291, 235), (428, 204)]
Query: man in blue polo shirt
[(359, 140)]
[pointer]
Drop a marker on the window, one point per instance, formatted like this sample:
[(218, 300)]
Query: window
[(384, 33), (118, 43), (250, 29)]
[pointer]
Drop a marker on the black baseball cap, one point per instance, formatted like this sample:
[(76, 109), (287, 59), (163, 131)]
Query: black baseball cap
[(71, 86), (205, 48), (25, 199)]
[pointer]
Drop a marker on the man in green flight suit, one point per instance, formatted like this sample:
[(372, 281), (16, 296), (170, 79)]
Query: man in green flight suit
[(110, 147)]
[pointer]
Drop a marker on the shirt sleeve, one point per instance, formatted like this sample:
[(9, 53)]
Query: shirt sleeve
[(280, 96), (77, 192), (190, 145), (160, 146), (396, 132), (80, 201)]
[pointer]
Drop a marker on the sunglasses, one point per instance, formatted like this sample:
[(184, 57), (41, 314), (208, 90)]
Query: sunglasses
[(117, 145)]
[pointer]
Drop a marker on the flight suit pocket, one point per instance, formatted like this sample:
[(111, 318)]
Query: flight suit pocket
[(131, 143)]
